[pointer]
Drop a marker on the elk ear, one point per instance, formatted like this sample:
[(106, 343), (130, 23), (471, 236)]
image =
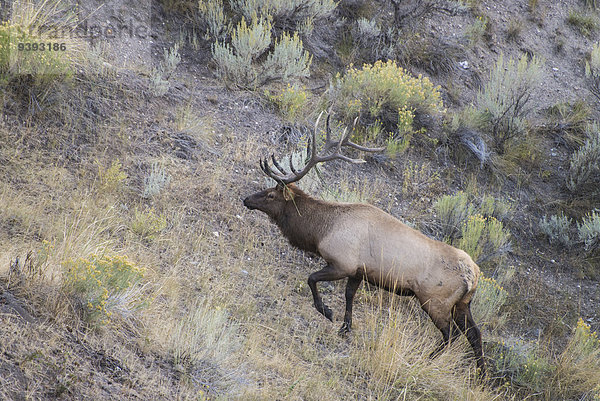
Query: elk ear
[(288, 194)]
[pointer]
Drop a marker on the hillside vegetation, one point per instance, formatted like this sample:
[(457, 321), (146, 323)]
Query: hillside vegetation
[(130, 269)]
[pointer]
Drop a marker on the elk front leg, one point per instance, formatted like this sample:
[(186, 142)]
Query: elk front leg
[(351, 288), (328, 273)]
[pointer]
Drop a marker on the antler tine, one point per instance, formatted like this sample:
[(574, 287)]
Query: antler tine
[(313, 148), (277, 165), (346, 141), (292, 168), (327, 130)]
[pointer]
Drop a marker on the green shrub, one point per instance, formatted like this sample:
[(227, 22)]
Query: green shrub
[(584, 168), (365, 32), (476, 30), (569, 120), (104, 283), (557, 229), (589, 230), (213, 16), (490, 206), (243, 62), (159, 78), (502, 105), (155, 181), (385, 94), (452, 211), (584, 21), (240, 48), (483, 238)]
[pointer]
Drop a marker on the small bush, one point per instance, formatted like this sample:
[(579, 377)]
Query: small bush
[(155, 181), (101, 282), (569, 121), (483, 238), (111, 178), (419, 179), (243, 62), (148, 224), (287, 60), (291, 101), (584, 168), (557, 229), (490, 206), (514, 30), (213, 15), (476, 31), (365, 32), (159, 78), (452, 211), (585, 22), (386, 94), (502, 104), (589, 230)]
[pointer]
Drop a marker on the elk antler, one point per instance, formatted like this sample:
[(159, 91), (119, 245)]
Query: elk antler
[(331, 151)]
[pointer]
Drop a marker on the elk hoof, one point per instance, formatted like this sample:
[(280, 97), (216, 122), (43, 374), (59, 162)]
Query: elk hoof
[(345, 329), (327, 312)]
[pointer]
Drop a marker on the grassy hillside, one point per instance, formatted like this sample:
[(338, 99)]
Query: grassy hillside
[(129, 268)]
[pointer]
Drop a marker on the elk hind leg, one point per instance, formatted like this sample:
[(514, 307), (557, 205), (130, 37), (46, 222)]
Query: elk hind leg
[(464, 320), (351, 288), (449, 334), (443, 321)]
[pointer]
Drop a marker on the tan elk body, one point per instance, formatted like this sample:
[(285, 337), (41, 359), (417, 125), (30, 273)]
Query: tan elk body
[(362, 242)]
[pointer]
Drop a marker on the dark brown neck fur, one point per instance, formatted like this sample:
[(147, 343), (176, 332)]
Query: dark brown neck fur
[(305, 220)]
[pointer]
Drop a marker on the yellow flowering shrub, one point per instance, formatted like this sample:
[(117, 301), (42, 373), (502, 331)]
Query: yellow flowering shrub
[(99, 281), (489, 299), (111, 178), (148, 224), (291, 101), (385, 92)]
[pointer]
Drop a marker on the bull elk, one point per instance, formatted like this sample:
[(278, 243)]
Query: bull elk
[(361, 242)]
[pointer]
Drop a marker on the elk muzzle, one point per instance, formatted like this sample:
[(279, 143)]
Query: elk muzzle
[(248, 203)]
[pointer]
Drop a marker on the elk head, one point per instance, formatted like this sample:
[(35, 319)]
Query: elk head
[(272, 201)]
